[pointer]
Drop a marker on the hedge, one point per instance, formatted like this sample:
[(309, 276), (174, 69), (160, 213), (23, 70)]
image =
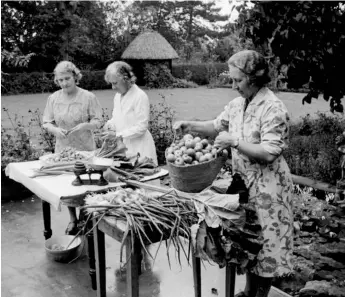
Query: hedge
[(201, 73), (40, 82)]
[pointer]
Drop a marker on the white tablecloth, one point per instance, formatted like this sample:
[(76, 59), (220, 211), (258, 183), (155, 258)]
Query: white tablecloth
[(52, 188)]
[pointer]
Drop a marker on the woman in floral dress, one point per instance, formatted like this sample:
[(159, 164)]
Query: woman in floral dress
[(71, 114), (255, 126)]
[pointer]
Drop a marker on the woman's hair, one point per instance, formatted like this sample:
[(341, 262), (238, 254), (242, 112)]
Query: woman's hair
[(253, 64), (121, 69), (67, 67)]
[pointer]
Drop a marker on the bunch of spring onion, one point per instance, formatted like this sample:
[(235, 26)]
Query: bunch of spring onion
[(167, 215)]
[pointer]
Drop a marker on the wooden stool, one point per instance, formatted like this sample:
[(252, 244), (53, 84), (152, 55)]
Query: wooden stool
[(116, 229)]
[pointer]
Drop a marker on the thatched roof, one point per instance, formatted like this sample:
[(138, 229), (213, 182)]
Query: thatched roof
[(149, 45)]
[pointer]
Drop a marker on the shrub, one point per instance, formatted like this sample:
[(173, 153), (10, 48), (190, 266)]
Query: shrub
[(158, 75), (312, 151), (16, 144), (201, 73), (160, 126)]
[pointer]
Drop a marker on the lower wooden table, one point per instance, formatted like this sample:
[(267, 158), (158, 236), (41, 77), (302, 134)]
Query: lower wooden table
[(116, 230)]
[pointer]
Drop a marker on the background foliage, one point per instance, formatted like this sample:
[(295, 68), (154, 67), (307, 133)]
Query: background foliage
[(307, 38)]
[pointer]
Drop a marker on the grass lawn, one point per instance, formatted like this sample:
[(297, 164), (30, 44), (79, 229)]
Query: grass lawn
[(195, 103)]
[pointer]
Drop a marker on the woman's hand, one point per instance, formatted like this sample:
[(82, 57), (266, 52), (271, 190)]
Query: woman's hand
[(80, 127), (224, 140), (59, 132), (108, 134), (184, 126)]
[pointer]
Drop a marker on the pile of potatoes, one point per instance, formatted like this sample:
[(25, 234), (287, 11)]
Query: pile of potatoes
[(191, 151)]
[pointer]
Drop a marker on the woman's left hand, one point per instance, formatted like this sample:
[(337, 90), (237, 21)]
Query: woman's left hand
[(80, 127), (108, 134), (224, 140)]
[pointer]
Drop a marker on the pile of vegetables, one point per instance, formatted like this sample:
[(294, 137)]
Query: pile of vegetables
[(68, 154), (112, 147), (135, 168), (191, 151), (147, 214)]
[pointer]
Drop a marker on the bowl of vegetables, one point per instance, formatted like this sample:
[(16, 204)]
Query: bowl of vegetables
[(56, 248)]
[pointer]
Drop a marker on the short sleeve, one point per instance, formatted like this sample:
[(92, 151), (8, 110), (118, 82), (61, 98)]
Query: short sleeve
[(275, 129), (48, 114), (221, 123), (95, 111)]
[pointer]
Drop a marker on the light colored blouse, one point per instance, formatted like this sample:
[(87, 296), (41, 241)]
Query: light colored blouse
[(265, 122), (66, 114), (130, 119)]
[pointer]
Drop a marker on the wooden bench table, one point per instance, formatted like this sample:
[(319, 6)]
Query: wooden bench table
[(116, 230)]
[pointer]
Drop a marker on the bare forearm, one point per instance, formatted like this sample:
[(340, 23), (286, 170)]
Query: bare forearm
[(49, 126), (203, 127), (255, 151)]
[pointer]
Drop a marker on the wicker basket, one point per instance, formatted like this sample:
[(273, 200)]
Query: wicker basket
[(195, 178)]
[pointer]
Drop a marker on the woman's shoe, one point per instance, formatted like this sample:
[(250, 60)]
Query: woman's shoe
[(72, 228)]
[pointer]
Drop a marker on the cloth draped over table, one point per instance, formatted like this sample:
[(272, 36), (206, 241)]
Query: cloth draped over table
[(225, 233)]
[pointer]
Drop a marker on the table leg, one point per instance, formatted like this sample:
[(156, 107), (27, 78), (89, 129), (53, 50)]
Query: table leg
[(133, 266), (91, 255), (99, 243), (230, 278), (196, 275), (47, 232)]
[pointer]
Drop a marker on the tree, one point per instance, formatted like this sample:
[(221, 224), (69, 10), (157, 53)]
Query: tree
[(180, 22), (55, 31), (308, 37)]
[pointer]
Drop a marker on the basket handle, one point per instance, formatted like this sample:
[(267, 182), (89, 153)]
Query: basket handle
[(220, 152)]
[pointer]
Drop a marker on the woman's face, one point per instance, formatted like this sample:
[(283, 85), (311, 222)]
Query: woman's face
[(66, 81), (118, 84), (240, 82)]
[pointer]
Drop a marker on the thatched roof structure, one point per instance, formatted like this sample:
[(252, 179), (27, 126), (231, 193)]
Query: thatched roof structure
[(149, 45)]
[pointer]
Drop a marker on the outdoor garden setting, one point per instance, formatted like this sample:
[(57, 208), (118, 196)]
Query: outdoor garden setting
[(158, 223)]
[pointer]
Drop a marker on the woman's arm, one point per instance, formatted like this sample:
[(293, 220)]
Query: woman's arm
[(95, 113), (142, 114), (203, 127), (49, 121), (273, 134)]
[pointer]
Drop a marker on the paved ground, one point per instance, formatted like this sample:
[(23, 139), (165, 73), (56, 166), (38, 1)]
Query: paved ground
[(27, 272)]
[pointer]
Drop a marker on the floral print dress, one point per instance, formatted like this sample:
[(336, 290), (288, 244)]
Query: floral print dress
[(265, 122), (66, 114)]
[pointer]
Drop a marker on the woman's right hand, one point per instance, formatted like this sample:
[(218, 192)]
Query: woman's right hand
[(108, 134), (184, 126), (59, 132)]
